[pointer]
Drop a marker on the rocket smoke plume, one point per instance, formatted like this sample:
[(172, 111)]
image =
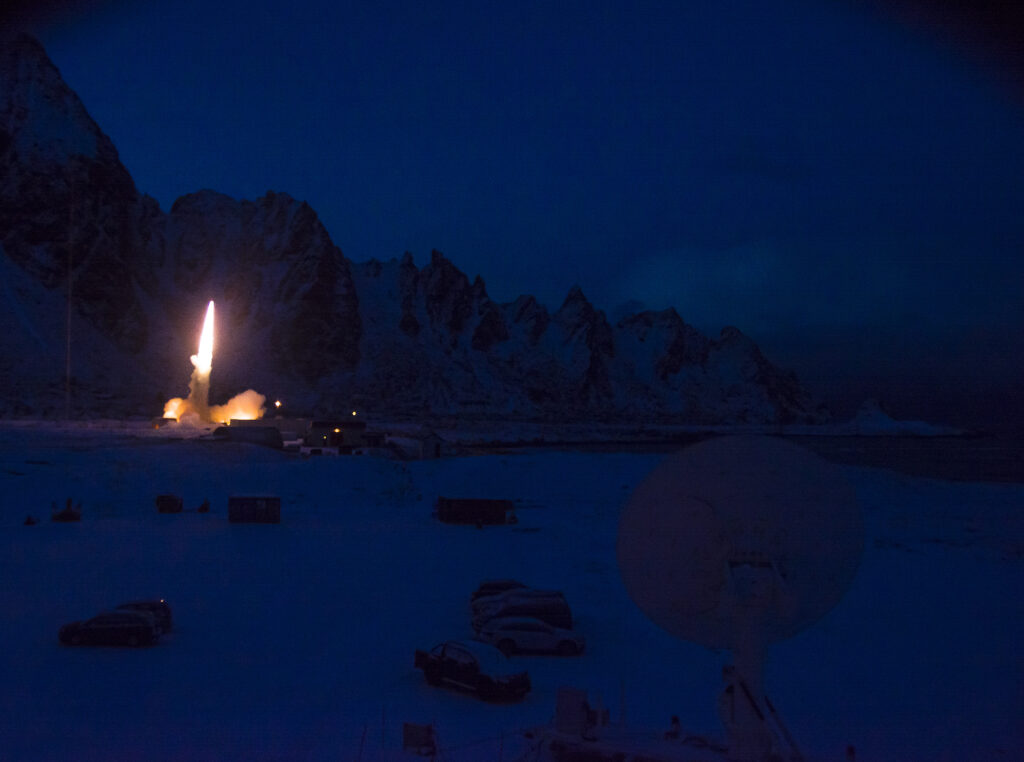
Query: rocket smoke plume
[(247, 405)]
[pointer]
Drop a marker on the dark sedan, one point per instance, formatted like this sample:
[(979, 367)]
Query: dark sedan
[(491, 587), (475, 667), (115, 628)]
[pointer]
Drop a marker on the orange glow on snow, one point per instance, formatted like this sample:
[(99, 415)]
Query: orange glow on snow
[(247, 406)]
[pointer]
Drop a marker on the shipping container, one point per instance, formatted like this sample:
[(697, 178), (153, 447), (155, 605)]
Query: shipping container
[(457, 510), (254, 510)]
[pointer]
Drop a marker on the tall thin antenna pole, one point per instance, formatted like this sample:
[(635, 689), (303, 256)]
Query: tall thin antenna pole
[(67, 355)]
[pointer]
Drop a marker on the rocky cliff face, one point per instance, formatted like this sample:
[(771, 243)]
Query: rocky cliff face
[(295, 318), (436, 342), (287, 304), (66, 202)]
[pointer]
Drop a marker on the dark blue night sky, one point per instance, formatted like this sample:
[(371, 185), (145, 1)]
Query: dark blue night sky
[(846, 189)]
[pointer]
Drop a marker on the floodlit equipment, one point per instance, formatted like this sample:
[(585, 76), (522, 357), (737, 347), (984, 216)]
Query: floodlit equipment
[(342, 433), (734, 543)]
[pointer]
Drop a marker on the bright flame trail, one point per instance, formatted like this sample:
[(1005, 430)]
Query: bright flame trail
[(199, 384), (198, 402), (247, 405), (204, 360)]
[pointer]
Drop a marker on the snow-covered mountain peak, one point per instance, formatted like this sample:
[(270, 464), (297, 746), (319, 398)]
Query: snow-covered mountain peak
[(574, 299), (41, 118), (295, 318)]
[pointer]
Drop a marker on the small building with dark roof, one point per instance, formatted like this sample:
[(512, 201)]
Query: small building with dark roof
[(343, 433)]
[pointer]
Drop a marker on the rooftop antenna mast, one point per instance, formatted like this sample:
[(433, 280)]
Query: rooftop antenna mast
[(67, 353)]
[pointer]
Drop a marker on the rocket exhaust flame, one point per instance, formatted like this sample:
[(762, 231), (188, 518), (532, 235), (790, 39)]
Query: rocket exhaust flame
[(248, 405), (204, 359)]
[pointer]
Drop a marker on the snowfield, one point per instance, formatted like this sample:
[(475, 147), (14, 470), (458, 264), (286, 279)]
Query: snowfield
[(295, 641)]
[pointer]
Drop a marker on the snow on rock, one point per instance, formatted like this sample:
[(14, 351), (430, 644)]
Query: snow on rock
[(42, 119), (301, 322), (872, 420), (285, 288)]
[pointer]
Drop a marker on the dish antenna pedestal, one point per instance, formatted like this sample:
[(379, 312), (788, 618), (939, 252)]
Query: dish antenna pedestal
[(734, 543)]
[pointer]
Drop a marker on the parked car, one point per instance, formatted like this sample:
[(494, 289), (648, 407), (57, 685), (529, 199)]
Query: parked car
[(159, 609), (548, 606), (476, 667), (524, 634), (491, 602), (491, 587), (113, 628)]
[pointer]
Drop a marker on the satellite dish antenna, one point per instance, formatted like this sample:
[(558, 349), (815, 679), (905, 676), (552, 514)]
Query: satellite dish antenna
[(737, 542)]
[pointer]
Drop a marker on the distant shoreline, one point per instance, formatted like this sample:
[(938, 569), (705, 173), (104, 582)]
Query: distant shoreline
[(996, 457), (972, 458)]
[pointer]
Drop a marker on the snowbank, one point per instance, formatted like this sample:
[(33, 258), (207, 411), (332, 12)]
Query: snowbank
[(295, 641)]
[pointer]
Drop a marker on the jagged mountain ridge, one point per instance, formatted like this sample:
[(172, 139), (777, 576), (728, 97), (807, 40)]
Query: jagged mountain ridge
[(296, 319)]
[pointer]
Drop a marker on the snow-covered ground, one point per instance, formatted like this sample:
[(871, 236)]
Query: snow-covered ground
[(496, 432), (295, 641)]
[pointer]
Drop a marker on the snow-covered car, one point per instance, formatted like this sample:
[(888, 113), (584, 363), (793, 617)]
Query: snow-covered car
[(525, 634), (158, 608), (491, 587), (491, 602), (546, 605), (475, 667), (113, 628)]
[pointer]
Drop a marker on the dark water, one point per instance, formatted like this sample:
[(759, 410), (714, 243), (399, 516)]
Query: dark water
[(983, 458), (975, 459)]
